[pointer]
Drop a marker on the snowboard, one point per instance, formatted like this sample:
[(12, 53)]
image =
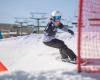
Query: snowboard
[(72, 62)]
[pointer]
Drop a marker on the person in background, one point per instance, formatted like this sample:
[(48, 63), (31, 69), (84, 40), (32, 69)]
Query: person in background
[(1, 36)]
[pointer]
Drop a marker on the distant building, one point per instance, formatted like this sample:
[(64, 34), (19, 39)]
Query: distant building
[(9, 30)]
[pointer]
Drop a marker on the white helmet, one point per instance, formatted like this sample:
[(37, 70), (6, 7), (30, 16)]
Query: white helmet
[(55, 13)]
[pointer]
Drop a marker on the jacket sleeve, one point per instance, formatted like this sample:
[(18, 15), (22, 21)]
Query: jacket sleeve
[(67, 30), (48, 25)]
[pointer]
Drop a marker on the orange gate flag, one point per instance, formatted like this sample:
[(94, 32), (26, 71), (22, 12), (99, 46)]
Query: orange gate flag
[(2, 67)]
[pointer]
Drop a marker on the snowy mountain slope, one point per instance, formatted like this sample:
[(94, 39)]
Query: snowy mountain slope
[(27, 58), (14, 49)]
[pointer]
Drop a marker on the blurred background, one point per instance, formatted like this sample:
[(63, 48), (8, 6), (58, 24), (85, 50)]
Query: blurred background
[(24, 17)]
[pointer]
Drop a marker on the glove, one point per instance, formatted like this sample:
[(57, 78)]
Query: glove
[(71, 32)]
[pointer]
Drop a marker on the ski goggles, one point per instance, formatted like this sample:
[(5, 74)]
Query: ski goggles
[(57, 17)]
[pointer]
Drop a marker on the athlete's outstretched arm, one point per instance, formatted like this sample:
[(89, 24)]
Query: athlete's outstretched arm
[(68, 30)]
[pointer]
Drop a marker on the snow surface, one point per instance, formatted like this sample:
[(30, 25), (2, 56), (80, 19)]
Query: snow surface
[(27, 58)]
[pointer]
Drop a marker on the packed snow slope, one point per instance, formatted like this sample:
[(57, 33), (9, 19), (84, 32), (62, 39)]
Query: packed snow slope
[(27, 58)]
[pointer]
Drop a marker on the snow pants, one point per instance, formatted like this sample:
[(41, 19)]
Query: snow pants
[(64, 50)]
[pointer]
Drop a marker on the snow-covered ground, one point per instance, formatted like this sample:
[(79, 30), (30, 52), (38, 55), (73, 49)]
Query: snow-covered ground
[(27, 58)]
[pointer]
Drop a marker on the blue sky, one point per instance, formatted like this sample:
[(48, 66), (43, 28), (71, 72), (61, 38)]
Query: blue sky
[(22, 8)]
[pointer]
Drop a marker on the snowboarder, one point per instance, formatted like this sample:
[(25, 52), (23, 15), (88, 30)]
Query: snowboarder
[(50, 39)]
